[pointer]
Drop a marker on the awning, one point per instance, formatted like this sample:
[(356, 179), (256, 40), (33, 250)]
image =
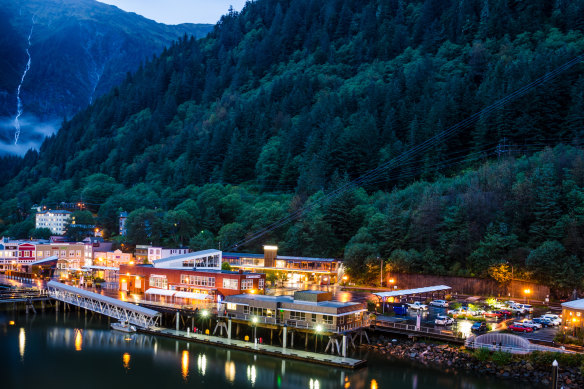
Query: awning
[(405, 292), (195, 296), (161, 292), (102, 268), (41, 261)]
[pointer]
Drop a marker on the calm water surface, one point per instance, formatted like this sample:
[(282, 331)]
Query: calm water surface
[(67, 350)]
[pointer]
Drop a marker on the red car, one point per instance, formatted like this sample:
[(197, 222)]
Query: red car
[(493, 314), (518, 328), (505, 312)]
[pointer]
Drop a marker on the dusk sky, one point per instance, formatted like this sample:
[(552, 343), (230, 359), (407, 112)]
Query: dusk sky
[(179, 11)]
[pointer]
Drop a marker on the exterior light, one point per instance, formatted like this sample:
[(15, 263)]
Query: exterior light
[(527, 291), (391, 280), (131, 262), (252, 291), (11, 322), (254, 320), (205, 313), (318, 328), (345, 278), (270, 247)]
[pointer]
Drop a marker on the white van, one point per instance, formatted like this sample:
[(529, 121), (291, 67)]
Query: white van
[(556, 320)]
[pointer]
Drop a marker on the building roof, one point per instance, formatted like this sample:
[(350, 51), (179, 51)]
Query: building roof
[(45, 260), (242, 255), (55, 211), (405, 292), (185, 256), (101, 268), (576, 304), (288, 258)]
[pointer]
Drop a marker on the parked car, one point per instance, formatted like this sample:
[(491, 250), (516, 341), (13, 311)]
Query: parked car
[(519, 328), (496, 314), (510, 302), (530, 324), (528, 308), (556, 320), (544, 321), (439, 303), (403, 310), (505, 312), (518, 309), (442, 320), (418, 306), (457, 312), (479, 326), (477, 312)]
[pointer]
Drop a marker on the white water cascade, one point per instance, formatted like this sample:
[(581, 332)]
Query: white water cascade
[(18, 99)]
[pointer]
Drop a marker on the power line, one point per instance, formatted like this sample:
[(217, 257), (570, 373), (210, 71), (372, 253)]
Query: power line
[(374, 173)]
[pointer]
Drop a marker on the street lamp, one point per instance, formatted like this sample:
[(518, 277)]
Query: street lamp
[(527, 292), (254, 320)]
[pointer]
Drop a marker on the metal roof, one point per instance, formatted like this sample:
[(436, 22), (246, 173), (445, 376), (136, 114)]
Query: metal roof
[(160, 292), (102, 298), (185, 256), (243, 255), (195, 296), (576, 304), (101, 268), (404, 292), (47, 259), (288, 258)]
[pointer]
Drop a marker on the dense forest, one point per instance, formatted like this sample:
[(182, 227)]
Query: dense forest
[(285, 104)]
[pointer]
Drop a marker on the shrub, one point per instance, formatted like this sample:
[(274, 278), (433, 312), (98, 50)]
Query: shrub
[(482, 354), (501, 358)]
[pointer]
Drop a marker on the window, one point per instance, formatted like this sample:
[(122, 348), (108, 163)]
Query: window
[(327, 319), (230, 283), (245, 310), (246, 284), (297, 315), (39, 253), (261, 284), (184, 279), (232, 306), (159, 282)]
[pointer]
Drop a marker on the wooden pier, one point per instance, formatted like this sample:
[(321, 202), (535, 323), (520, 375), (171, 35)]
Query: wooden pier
[(280, 352)]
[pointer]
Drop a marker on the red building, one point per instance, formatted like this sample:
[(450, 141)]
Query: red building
[(26, 253), (188, 286)]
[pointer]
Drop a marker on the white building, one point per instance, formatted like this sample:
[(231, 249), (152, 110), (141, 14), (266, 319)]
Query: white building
[(155, 253), (205, 259), (54, 220)]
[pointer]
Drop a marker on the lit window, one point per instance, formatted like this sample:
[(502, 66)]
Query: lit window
[(231, 306)]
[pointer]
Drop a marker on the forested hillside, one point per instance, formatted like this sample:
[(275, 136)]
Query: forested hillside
[(289, 100)]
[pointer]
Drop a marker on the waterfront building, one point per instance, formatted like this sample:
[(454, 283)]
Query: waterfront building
[(55, 220), (573, 314), (322, 271), (8, 255), (112, 259), (188, 279), (155, 253), (307, 310)]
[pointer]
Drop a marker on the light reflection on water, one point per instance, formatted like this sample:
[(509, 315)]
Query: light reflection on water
[(147, 361), (21, 342)]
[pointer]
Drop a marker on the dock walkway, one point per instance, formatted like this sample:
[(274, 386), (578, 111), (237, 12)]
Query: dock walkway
[(300, 355)]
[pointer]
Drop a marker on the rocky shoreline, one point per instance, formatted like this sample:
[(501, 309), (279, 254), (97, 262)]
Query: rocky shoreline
[(452, 358)]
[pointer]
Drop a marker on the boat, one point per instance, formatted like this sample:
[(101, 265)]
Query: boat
[(123, 326)]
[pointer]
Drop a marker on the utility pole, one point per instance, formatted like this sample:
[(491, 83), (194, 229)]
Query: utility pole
[(381, 268)]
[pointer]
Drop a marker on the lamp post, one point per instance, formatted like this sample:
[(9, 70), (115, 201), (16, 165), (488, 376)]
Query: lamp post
[(555, 374), (254, 323), (527, 292)]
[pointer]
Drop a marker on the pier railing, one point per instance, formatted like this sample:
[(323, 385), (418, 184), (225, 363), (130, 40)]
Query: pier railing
[(412, 328)]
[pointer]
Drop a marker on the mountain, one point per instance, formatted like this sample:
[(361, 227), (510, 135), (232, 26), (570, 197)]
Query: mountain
[(283, 108), (79, 50)]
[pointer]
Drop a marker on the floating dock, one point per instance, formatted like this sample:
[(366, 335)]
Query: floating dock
[(299, 355)]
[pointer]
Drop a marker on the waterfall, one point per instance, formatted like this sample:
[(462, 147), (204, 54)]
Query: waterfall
[(18, 99)]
